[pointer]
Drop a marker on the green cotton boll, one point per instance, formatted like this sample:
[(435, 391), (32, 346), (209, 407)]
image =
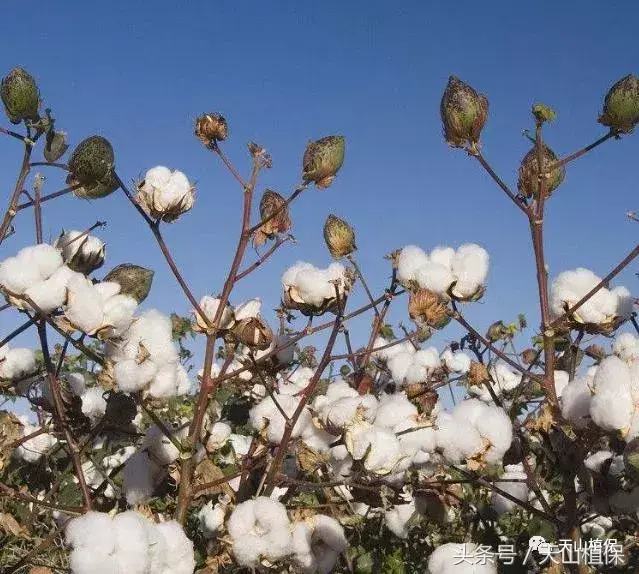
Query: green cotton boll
[(322, 160), (621, 105), (20, 96), (134, 280)]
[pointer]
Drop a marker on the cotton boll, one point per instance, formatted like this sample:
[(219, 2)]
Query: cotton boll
[(456, 439), (612, 405), (131, 377), (17, 363), (51, 294), (16, 278), (470, 268), (410, 259), (94, 531), (117, 458), (596, 460), (84, 307), (504, 380), (394, 409), (295, 382), (317, 543), (378, 446), (417, 441), (179, 557), (209, 306), (457, 362), (336, 414), (519, 490), (423, 363), (211, 518), (266, 415), (495, 426), (575, 401), (448, 559), (597, 527), (259, 528), (139, 477), (218, 435), (93, 404), (396, 519), (399, 365), (118, 313), (165, 382), (76, 383), (35, 448), (317, 439), (158, 176), (45, 258), (248, 309), (132, 542), (160, 446), (626, 347)]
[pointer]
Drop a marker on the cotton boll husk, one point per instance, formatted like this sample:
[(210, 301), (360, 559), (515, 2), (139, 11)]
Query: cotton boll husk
[(445, 559), (248, 309), (17, 363), (575, 401), (139, 477), (410, 259), (179, 558), (51, 294), (595, 461), (626, 347), (394, 409), (396, 519), (93, 403), (519, 490), (457, 362), (470, 268), (435, 276), (612, 405)]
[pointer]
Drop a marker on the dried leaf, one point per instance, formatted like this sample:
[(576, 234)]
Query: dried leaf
[(9, 525), (208, 471)]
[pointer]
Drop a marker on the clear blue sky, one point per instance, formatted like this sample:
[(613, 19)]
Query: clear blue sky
[(286, 72)]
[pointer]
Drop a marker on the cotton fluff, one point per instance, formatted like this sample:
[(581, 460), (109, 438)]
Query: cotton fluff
[(464, 269), (388, 352), (140, 477), (266, 416), (209, 306), (30, 266), (596, 460), (218, 436), (456, 362), (408, 365), (396, 519), (166, 194), (449, 559), (597, 526), (615, 402), (571, 286), (93, 404), (98, 308), (394, 409), (248, 309), (417, 442), (377, 446), (16, 364), (626, 347), (295, 382), (474, 430), (128, 542), (150, 338), (562, 378), (160, 446), (211, 517), (519, 490), (311, 285), (50, 294), (35, 448), (95, 476), (317, 543), (259, 528), (341, 403), (503, 380), (575, 401)]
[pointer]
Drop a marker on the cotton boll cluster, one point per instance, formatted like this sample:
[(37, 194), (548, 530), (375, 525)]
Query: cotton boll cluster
[(519, 490), (615, 402), (601, 309), (474, 430), (448, 272), (446, 560), (317, 543), (259, 529), (128, 542), (266, 416), (146, 358), (314, 290), (16, 364), (165, 194), (35, 448), (503, 379), (98, 309)]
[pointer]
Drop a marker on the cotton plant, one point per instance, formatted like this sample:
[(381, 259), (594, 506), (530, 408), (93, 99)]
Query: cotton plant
[(458, 274)]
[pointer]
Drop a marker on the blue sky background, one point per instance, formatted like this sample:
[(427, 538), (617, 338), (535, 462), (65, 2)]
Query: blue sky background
[(287, 72)]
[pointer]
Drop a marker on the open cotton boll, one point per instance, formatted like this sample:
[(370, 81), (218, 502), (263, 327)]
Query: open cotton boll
[(396, 519), (399, 365), (626, 347), (130, 376), (50, 294), (519, 490), (16, 363), (259, 528), (317, 439), (118, 457), (35, 448), (410, 259), (435, 276), (561, 381), (93, 531), (158, 176), (171, 380), (265, 414), (85, 307), (389, 352), (218, 435), (456, 362), (456, 439), (76, 383), (94, 477), (595, 461), (151, 329), (140, 477), (317, 543), (294, 382), (625, 302), (449, 559), (160, 447), (503, 380), (616, 394), (211, 518), (423, 363), (337, 414), (118, 313), (45, 258), (178, 557), (248, 309), (575, 401), (417, 444), (394, 409), (16, 278), (470, 268), (597, 527), (378, 446), (93, 403), (209, 306)]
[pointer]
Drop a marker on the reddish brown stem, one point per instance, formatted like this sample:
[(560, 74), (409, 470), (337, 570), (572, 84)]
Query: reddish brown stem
[(480, 158), (582, 151), (278, 243), (13, 203)]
